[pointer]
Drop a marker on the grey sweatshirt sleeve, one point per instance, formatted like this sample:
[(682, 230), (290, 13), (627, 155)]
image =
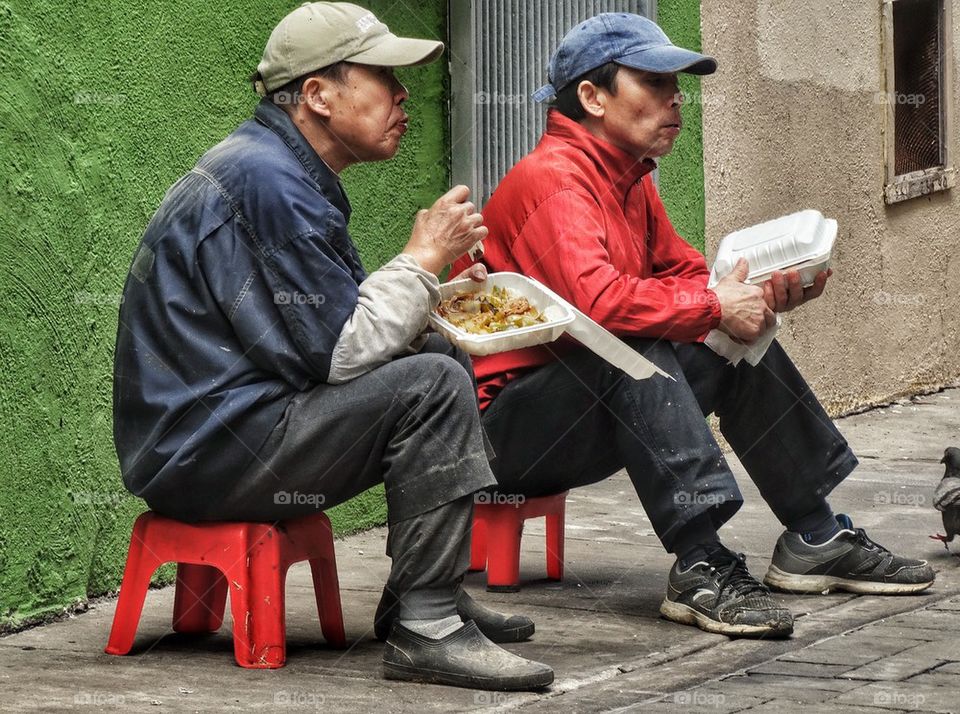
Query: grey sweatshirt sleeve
[(391, 312)]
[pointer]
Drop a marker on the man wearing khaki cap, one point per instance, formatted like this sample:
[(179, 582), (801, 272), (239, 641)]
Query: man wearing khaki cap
[(261, 374)]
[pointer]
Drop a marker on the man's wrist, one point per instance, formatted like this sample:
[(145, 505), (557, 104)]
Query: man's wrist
[(716, 310), (426, 259)]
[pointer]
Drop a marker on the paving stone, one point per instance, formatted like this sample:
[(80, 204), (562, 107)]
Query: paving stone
[(903, 697), (936, 678), (952, 605), (894, 606), (818, 654), (899, 666), (941, 621), (821, 683), (946, 649), (902, 631), (915, 435), (786, 706), (802, 669), (627, 700), (696, 700), (857, 648), (804, 690)]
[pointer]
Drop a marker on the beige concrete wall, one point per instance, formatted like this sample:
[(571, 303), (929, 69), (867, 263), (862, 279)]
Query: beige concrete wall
[(792, 121)]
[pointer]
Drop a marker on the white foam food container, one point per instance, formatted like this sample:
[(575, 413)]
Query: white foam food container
[(801, 241), (558, 315)]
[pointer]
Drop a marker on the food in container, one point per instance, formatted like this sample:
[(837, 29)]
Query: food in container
[(555, 315), (483, 313)]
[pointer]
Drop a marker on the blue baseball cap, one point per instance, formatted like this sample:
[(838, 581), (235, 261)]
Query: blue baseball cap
[(627, 39)]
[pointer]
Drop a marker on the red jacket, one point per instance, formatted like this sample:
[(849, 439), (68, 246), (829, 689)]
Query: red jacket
[(583, 217)]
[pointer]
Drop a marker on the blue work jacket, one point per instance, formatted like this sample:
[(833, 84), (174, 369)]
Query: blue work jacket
[(235, 299)]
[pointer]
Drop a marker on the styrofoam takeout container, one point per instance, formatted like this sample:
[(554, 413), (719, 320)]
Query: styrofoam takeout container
[(557, 314), (801, 241)]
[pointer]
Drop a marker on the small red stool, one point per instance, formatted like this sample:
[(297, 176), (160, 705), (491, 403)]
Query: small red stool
[(497, 527), (251, 559)]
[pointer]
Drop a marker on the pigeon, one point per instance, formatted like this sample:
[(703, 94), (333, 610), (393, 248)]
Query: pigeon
[(947, 496)]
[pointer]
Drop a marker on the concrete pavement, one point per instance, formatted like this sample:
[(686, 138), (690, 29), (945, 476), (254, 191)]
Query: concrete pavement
[(599, 628)]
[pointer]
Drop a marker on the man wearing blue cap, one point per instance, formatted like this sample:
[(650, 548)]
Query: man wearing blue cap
[(261, 374), (582, 215)]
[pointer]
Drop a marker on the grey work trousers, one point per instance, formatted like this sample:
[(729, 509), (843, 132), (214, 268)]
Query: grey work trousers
[(411, 424)]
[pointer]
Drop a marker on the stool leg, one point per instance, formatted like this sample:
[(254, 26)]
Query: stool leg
[(257, 604), (141, 564), (326, 588), (478, 544), (200, 598), (555, 545), (504, 528)]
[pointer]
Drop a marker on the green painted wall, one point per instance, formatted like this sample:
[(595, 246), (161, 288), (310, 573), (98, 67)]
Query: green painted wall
[(681, 171), (104, 106)]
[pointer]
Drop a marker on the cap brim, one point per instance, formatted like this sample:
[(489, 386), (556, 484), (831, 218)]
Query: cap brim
[(393, 51), (669, 58)]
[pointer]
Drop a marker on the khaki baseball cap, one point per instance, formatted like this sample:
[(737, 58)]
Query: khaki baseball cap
[(319, 34)]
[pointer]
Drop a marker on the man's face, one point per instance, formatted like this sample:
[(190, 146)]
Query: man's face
[(643, 118), (366, 117)]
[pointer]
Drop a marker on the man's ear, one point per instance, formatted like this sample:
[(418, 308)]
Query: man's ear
[(591, 99), (317, 95)]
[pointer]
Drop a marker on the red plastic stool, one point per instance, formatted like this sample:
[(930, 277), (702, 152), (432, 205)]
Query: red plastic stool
[(497, 527), (249, 559)]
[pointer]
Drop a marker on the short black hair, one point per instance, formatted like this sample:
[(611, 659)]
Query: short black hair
[(567, 102), (288, 96)]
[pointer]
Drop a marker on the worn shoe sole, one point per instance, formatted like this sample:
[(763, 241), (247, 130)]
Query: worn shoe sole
[(515, 634), (686, 615), (793, 583), (407, 673)]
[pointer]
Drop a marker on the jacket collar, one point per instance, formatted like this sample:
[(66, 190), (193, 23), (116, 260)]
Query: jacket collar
[(279, 122), (620, 168)]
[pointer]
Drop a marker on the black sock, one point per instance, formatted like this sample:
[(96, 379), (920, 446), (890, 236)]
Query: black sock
[(694, 539), (817, 526)]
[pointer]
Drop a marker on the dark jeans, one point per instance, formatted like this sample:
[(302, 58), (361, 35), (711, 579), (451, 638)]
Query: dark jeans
[(578, 420), (411, 424)]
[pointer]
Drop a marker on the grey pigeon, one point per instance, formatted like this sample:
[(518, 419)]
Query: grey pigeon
[(947, 496)]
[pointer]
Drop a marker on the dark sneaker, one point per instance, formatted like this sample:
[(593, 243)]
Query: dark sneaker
[(496, 626), (722, 596), (464, 658), (849, 561)]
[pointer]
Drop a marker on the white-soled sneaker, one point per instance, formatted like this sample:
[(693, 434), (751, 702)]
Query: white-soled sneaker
[(720, 595), (849, 561)]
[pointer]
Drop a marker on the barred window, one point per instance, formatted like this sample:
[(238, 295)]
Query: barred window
[(917, 97), (499, 51)]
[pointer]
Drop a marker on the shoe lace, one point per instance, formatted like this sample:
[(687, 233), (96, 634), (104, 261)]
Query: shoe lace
[(734, 574), (864, 540)]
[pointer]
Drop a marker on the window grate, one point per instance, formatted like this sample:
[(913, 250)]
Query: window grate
[(918, 67), (917, 80), (499, 51)]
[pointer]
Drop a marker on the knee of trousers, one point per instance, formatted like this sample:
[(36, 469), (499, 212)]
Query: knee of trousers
[(438, 345), (440, 381)]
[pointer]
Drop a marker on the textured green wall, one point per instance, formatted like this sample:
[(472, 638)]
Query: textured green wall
[(681, 171), (104, 106)]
